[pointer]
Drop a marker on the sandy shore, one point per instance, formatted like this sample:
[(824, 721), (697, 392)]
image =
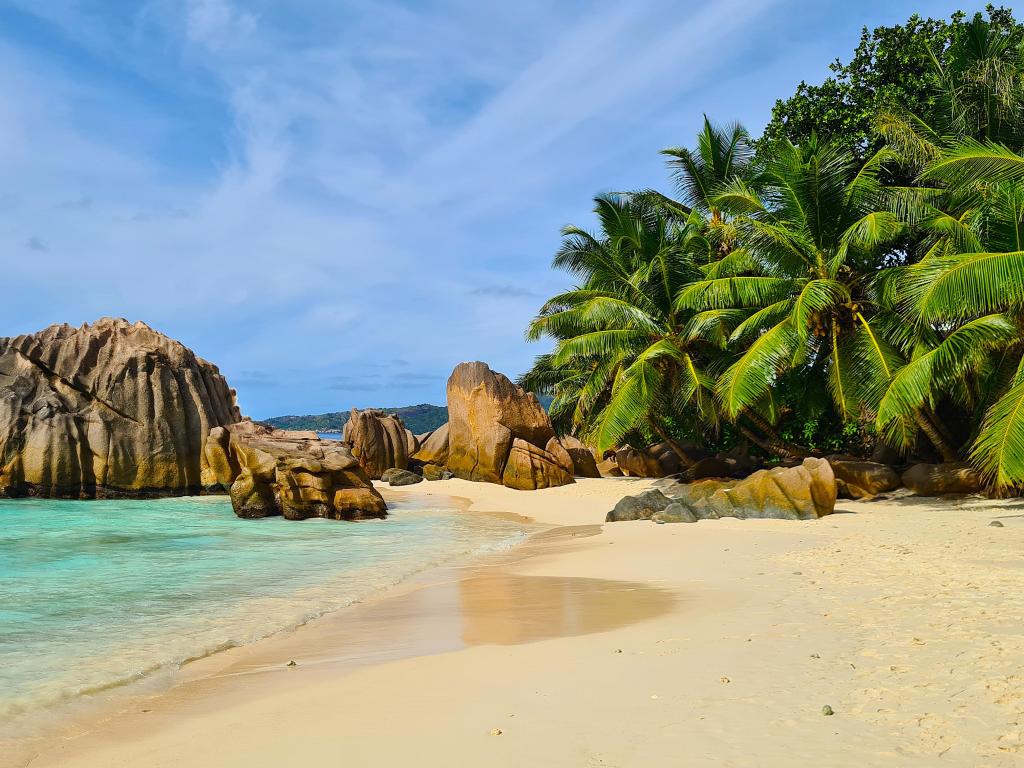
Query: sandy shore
[(712, 644)]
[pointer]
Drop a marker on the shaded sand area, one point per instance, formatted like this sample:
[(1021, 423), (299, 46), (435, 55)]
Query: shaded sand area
[(711, 644)]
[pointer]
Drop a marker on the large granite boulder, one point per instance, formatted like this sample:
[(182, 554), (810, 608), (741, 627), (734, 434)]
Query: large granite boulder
[(108, 409), (433, 447), (379, 441), (863, 479), (584, 463), (656, 460), (804, 492), (498, 433), (298, 477), (529, 467), (940, 479)]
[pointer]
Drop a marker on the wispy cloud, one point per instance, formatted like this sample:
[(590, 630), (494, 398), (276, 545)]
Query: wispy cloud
[(507, 291), (311, 190)]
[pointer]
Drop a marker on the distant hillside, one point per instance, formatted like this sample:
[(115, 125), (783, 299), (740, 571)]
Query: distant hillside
[(418, 418)]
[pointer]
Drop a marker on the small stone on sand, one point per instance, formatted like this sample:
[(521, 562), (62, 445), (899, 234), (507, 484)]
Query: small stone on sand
[(827, 710), (996, 524), (495, 731), (292, 663)]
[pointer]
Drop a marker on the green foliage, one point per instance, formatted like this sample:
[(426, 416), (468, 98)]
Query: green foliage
[(858, 281), (892, 68), (418, 418)]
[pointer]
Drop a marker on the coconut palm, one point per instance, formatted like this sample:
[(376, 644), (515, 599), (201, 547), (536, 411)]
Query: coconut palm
[(626, 359), (723, 154), (811, 234), (965, 298)]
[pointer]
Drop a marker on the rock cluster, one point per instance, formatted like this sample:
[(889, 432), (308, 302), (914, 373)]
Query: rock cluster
[(117, 409), (863, 479), (297, 475), (497, 433), (108, 409), (657, 460), (584, 461), (803, 492)]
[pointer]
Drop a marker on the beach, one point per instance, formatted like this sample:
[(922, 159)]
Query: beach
[(718, 643)]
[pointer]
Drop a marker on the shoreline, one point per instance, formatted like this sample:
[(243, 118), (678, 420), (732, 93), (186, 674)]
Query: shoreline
[(91, 710), (900, 615)]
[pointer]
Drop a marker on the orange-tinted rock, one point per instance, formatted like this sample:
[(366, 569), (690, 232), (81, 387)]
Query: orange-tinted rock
[(379, 441), (433, 447), (529, 467), (609, 468), (487, 414), (864, 479), (804, 492), (298, 477)]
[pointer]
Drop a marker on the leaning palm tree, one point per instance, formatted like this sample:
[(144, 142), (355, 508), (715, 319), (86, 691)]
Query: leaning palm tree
[(812, 229), (626, 359), (967, 296)]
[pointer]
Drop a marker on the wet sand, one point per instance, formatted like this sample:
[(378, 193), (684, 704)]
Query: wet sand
[(713, 644)]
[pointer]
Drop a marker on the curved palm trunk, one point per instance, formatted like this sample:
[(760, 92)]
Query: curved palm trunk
[(942, 445), (771, 442), (685, 458)]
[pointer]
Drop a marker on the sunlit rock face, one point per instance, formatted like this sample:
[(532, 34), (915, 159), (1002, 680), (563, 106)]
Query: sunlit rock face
[(379, 441), (498, 433), (293, 474), (108, 409), (116, 409)]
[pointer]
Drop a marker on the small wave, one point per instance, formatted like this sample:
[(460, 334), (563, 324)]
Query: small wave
[(133, 608)]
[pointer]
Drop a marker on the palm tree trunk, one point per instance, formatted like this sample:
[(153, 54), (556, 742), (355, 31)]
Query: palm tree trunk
[(685, 458), (947, 451), (771, 442)]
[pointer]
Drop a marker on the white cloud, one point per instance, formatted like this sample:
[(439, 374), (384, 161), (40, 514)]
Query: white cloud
[(374, 179)]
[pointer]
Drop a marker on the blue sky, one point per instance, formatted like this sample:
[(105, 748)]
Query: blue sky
[(337, 201)]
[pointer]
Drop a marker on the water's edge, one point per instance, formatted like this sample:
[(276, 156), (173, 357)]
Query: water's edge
[(27, 734)]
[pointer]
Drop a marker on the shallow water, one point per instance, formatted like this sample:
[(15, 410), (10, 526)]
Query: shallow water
[(101, 593)]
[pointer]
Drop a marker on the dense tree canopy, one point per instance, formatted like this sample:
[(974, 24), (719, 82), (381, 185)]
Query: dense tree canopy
[(898, 67), (860, 266)]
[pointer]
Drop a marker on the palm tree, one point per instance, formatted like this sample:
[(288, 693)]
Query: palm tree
[(626, 358), (811, 234), (965, 298), (723, 154)]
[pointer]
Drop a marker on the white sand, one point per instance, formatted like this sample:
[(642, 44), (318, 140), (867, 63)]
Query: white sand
[(906, 618)]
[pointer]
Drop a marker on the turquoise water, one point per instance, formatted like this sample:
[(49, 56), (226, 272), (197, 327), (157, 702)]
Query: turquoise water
[(94, 594)]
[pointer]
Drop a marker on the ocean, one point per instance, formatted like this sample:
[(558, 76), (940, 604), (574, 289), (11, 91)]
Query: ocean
[(98, 594)]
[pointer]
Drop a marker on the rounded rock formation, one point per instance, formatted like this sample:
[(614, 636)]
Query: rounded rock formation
[(379, 441), (108, 409), (498, 433)]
